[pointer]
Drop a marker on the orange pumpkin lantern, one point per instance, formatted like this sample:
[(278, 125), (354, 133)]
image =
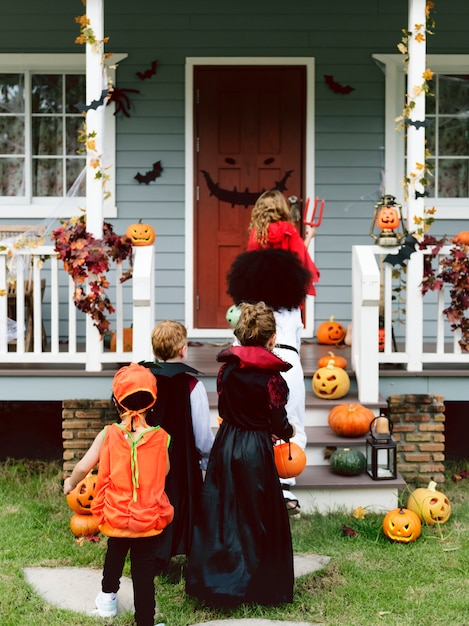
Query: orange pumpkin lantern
[(127, 339), (402, 525), (388, 218), (339, 361), (330, 382), (141, 234), (462, 237), (331, 332), (84, 525), (350, 420), (432, 506), (80, 498), (290, 459)]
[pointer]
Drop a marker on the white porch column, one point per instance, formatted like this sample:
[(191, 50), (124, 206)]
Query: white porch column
[(415, 158), (94, 187)]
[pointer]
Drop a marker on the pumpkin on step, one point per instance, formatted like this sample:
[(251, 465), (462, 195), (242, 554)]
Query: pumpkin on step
[(330, 382), (127, 339), (347, 462), (330, 332), (350, 420), (339, 361), (432, 506), (402, 525)]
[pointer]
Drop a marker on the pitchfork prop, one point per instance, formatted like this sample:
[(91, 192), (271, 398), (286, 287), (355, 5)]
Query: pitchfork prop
[(313, 222)]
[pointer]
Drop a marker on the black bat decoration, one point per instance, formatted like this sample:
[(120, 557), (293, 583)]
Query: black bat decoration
[(418, 123), (337, 87), (405, 252), (83, 108), (153, 174), (148, 73), (420, 194)]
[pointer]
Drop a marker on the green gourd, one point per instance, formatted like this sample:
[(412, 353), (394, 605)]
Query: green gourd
[(347, 462)]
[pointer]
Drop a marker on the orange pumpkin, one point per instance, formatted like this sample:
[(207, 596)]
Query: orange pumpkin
[(462, 237), (80, 498), (330, 382), (388, 218), (127, 337), (141, 234), (350, 420), (290, 459), (84, 525), (331, 332), (432, 506), (402, 525), (339, 361)]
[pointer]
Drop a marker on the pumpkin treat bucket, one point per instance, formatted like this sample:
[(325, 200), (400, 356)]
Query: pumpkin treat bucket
[(290, 459)]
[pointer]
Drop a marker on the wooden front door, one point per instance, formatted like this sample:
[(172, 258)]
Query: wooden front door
[(249, 137)]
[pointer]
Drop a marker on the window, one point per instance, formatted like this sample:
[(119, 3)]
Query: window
[(42, 171), (447, 135)]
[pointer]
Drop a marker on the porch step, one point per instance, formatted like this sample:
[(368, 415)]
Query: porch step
[(318, 488)]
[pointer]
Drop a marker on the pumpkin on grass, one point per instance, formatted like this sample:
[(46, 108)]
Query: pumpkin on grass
[(330, 332), (330, 382), (347, 462), (350, 420), (290, 459), (432, 506), (402, 525)]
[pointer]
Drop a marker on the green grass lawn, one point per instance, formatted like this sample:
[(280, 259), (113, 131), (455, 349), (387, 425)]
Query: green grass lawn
[(369, 580)]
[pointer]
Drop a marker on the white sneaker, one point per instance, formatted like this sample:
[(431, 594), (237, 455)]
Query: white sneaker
[(106, 604)]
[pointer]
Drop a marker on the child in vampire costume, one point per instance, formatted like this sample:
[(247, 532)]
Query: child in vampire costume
[(242, 549)]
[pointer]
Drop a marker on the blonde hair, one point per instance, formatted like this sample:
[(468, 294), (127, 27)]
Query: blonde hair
[(270, 207), (256, 324), (168, 338)]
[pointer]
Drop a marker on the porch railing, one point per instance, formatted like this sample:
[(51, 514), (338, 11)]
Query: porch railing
[(416, 332), (36, 301)]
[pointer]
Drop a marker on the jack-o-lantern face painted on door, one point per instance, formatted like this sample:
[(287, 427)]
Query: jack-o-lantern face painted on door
[(388, 218)]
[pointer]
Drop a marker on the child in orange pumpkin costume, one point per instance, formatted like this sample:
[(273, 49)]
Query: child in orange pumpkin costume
[(130, 502)]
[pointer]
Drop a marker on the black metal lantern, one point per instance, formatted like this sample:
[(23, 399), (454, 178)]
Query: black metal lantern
[(381, 461), (387, 217)]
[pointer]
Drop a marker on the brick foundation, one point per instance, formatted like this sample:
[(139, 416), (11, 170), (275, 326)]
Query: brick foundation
[(419, 431), (81, 422)]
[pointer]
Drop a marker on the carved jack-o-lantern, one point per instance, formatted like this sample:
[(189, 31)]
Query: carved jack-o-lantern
[(331, 382), (388, 218), (141, 234), (432, 506), (402, 525), (330, 332), (80, 498)]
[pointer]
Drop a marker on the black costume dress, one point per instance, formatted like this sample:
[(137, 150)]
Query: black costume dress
[(172, 411), (242, 549)]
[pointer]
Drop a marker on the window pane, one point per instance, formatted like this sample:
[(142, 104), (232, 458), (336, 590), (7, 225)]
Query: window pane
[(47, 135), (75, 89), (72, 124), (11, 93), (12, 177), (46, 93), (76, 184), (11, 135), (47, 177), (453, 136), (453, 93), (453, 178)]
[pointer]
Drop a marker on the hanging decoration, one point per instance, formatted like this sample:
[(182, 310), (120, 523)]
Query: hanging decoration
[(151, 175), (337, 87), (121, 99), (95, 104), (149, 72)]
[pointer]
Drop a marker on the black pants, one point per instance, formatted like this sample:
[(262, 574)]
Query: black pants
[(142, 568)]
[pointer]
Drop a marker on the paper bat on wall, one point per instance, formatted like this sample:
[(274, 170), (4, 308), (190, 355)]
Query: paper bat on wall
[(405, 252), (153, 174), (419, 194), (148, 73), (337, 87), (95, 103)]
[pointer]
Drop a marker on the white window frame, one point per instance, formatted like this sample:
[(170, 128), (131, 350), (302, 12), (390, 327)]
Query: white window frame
[(62, 207), (395, 88)]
